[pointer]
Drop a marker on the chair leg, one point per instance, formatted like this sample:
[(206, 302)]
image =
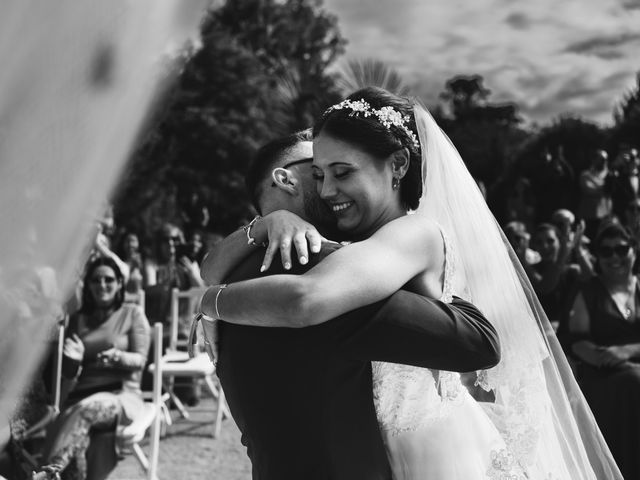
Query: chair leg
[(223, 410), (178, 403), (141, 457), (220, 414), (214, 392), (167, 420)]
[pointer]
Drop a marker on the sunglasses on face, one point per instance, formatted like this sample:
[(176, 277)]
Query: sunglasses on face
[(99, 280), (620, 251), (174, 239)]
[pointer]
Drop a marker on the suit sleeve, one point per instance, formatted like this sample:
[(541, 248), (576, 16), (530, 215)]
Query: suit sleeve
[(413, 330), (405, 328)]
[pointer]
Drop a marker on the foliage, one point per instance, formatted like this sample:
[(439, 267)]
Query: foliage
[(357, 74), (486, 134), (260, 73), (577, 138), (627, 120)]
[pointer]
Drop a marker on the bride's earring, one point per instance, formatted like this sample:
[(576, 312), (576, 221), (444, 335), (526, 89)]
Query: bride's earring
[(395, 183)]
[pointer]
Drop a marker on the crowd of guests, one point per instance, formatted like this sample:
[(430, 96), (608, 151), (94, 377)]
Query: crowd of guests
[(581, 265), (583, 269), (124, 287)]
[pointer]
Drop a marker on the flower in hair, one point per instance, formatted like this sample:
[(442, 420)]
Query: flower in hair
[(387, 116)]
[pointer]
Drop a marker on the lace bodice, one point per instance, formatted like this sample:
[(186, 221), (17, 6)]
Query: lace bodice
[(406, 397)]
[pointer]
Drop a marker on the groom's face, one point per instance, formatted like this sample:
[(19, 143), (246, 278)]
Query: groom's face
[(298, 160)]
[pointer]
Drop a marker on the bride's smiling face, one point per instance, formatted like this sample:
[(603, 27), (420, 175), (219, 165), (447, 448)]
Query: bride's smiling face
[(355, 184)]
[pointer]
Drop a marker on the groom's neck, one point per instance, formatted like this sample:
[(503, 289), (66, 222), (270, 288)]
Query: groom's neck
[(272, 208)]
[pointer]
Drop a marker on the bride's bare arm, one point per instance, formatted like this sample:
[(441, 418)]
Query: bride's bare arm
[(281, 229), (354, 276)]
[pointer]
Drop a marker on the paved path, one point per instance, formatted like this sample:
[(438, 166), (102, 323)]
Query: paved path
[(189, 452)]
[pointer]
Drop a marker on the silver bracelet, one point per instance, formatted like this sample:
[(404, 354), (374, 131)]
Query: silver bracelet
[(247, 230), (220, 288)]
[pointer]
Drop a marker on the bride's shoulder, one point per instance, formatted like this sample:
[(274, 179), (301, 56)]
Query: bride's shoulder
[(415, 233), (415, 227)]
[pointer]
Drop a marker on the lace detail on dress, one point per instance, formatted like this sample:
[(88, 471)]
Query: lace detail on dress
[(408, 398), (504, 466)]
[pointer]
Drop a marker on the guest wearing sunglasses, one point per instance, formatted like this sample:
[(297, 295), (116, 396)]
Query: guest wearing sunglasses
[(105, 352), (604, 329)]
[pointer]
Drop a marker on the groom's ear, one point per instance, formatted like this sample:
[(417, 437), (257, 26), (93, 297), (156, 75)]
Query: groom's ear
[(400, 160), (285, 180)]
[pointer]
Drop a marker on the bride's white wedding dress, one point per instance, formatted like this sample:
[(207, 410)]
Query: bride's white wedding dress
[(538, 427), (432, 427)]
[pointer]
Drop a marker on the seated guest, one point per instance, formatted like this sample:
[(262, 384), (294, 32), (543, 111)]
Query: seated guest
[(194, 248), (565, 222), (595, 202), (171, 267), (631, 218), (604, 335), (553, 277), (105, 351), (518, 237), (129, 252)]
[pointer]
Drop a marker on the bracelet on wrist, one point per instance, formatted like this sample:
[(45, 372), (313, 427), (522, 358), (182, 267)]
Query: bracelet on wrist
[(247, 230), (220, 289)]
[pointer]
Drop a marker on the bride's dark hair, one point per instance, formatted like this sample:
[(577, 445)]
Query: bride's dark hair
[(369, 134)]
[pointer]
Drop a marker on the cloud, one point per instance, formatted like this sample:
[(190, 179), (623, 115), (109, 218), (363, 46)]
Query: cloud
[(518, 21), (605, 47), (531, 53), (631, 4)]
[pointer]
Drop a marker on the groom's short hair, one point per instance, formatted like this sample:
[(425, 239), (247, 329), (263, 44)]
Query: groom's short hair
[(265, 158)]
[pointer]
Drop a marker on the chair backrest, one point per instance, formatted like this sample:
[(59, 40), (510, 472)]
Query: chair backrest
[(157, 402), (191, 298), (57, 371)]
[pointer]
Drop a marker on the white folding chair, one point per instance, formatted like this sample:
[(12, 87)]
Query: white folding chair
[(151, 417), (178, 363)]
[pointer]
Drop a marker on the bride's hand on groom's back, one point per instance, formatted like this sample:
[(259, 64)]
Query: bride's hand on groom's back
[(285, 231)]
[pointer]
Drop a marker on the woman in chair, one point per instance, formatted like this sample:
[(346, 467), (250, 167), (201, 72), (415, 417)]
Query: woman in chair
[(105, 352)]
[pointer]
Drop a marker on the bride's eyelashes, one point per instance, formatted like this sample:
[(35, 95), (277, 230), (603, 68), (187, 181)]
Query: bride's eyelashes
[(341, 173), (338, 174)]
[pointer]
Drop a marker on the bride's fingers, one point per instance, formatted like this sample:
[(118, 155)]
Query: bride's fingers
[(300, 242), (268, 256), (315, 240), (285, 253)]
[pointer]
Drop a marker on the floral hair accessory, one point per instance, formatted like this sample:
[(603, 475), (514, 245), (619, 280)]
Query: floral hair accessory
[(387, 116)]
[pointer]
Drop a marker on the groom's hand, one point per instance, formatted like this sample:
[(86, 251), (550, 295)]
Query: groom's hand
[(284, 230)]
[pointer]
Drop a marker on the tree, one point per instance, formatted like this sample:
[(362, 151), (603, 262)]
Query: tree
[(486, 134), (261, 72), (567, 140), (357, 74), (627, 120)]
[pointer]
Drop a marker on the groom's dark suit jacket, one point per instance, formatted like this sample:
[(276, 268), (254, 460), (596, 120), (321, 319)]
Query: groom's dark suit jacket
[(302, 398)]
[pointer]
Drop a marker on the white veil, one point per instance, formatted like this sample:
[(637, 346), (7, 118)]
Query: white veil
[(78, 80), (539, 408)]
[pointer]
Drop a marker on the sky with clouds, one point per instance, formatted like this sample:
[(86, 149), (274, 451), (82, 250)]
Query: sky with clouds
[(548, 56)]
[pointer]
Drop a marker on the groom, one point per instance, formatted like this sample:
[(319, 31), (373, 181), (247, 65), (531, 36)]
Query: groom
[(302, 398)]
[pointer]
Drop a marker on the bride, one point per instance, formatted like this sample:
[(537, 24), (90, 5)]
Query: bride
[(377, 158)]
